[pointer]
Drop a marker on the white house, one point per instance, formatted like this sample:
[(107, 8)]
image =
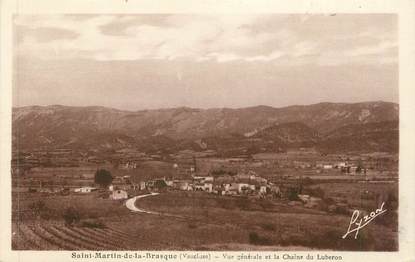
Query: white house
[(183, 185), (263, 189), (304, 198), (208, 187), (169, 182), (118, 195), (86, 189), (242, 187), (342, 164), (198, 187)]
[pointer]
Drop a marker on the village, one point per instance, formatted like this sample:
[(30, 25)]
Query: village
[(197, 192), (235, 177)]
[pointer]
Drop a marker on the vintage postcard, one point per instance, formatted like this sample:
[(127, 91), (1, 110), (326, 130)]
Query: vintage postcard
[(193, 132)]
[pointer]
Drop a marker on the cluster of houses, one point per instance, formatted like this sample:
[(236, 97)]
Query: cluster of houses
[(240, 184), (115, 193), (344, 167)]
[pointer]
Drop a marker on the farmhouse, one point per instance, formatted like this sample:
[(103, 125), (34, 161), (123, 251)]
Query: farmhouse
[(352, 169), (128, 165), (208, 187), (341, 164), (238, 188), (185, 185), (202, 179), (232, 189), (141, 185), (118, 195), (50, 190), (263, 189), (199, 187), (304, 198), (86, 189)]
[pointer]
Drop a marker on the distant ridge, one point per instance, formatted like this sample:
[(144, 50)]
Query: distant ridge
[(211, 108), (100, 127)]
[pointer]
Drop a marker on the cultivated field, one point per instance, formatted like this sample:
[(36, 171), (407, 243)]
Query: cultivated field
[(188, 221), (57, 236)]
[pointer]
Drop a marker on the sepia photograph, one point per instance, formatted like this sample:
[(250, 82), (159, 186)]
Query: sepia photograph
[(205, 132)]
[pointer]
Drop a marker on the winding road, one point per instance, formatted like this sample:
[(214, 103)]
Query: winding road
[(130, 204)]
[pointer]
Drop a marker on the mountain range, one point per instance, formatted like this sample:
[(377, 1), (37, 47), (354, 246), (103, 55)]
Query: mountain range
[(329, 127)]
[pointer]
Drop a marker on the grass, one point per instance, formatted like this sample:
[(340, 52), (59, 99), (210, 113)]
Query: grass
[(299, 227), (361, 195), (88, 205), (197, 221)]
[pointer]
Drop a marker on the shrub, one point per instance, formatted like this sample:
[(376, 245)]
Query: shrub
[(342, 210), (37, 207), (329, 201), (266, 204), (222, 172), (332, 239), (268, 227), (294, 238), (40, 209), (255, 239), (317, 192), (93, 223), (160, 184), (293, 194), (71, 216)]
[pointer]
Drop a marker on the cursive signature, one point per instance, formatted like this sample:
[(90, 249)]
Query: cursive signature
[(363, 221)]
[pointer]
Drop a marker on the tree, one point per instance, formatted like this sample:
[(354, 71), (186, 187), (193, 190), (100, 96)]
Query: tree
[(293, 194), (103, 177), (359, 168), (160, 184), (38, 208), (71, 216)]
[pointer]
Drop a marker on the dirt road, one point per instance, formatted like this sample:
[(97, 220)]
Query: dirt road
[(130, 204)]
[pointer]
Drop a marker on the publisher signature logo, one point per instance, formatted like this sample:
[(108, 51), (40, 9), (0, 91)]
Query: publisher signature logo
[(356, 224)]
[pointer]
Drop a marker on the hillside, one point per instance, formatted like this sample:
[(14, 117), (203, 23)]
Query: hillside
[(179, 128), (368, 137)]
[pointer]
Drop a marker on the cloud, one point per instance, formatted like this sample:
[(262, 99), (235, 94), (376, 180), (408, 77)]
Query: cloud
[(381, 47), (294, 39)]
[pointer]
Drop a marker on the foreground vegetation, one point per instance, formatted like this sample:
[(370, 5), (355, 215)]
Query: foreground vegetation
[(187, 221)]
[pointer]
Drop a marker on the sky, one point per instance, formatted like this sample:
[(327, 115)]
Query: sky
[(151, 61)]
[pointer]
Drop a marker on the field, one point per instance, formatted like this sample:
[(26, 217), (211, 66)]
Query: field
[(57, 236), (361, 195), (188, 221)]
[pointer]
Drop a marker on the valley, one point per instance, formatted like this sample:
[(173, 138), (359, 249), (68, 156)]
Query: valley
[(257, 178)]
